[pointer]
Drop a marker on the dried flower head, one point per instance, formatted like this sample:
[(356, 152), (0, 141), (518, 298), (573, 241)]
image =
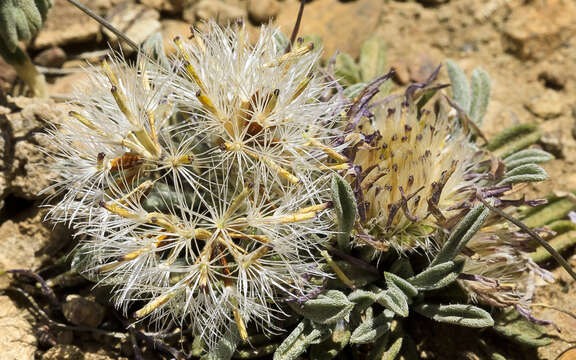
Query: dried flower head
[(413, 173), (202, 190), (498, 269)]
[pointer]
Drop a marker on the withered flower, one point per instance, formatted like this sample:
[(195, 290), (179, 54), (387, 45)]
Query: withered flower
[(413, 173)]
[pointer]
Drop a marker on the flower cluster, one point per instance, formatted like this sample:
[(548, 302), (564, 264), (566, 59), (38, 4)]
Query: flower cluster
[(203, 192), (418, 174), (414, 173), (202, 189)]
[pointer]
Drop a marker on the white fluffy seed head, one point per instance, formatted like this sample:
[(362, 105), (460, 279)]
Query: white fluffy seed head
[(258, 104), (202, 190)]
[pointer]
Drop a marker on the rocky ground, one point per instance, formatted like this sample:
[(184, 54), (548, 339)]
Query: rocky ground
[(527, 47)]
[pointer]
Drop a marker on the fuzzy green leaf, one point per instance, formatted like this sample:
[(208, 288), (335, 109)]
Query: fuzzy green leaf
[(43, 6), (225, 348), (458, 314), (333, 345), (559, 243), (437, 276), (8, 31), (164, 197), (513, 139), (345, 206), (393, 299), (16, 57), (562, 226), (32, 14), (516, 328), (402, 284), (347, 72), (402, 268), (372, 58), (393, 351), (362, 298), (22, 27), (426, 95), (304, 335), (461, 234), (372, 328), (527, 156), (384, 351), (460, 88), (524, 174), (327, 308), (480, 95), (81, 262), (20, 20)]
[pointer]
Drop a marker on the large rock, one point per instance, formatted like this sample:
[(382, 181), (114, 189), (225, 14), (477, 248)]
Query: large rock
[(63, 352), (24, 171), (17, 339), (51, 57), (20, 147), (23, 241), (536, 30), (66, 85), (548, 105), (343, 26), (66, 24)]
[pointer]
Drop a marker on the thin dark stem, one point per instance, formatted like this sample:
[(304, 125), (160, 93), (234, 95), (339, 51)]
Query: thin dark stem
[(45, 288), (156, 344), (353, 260), (106, 24), (546, 306), (134, 341), (533, 234), (296, 28)]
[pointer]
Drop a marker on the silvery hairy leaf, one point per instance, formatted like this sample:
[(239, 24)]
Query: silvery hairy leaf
[(437, 276), (457, 314), (328, 308), (345, 206)]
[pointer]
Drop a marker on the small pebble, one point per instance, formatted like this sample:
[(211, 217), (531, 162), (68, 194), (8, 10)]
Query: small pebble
[(52, 57), (549, 105), (81, 311)]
